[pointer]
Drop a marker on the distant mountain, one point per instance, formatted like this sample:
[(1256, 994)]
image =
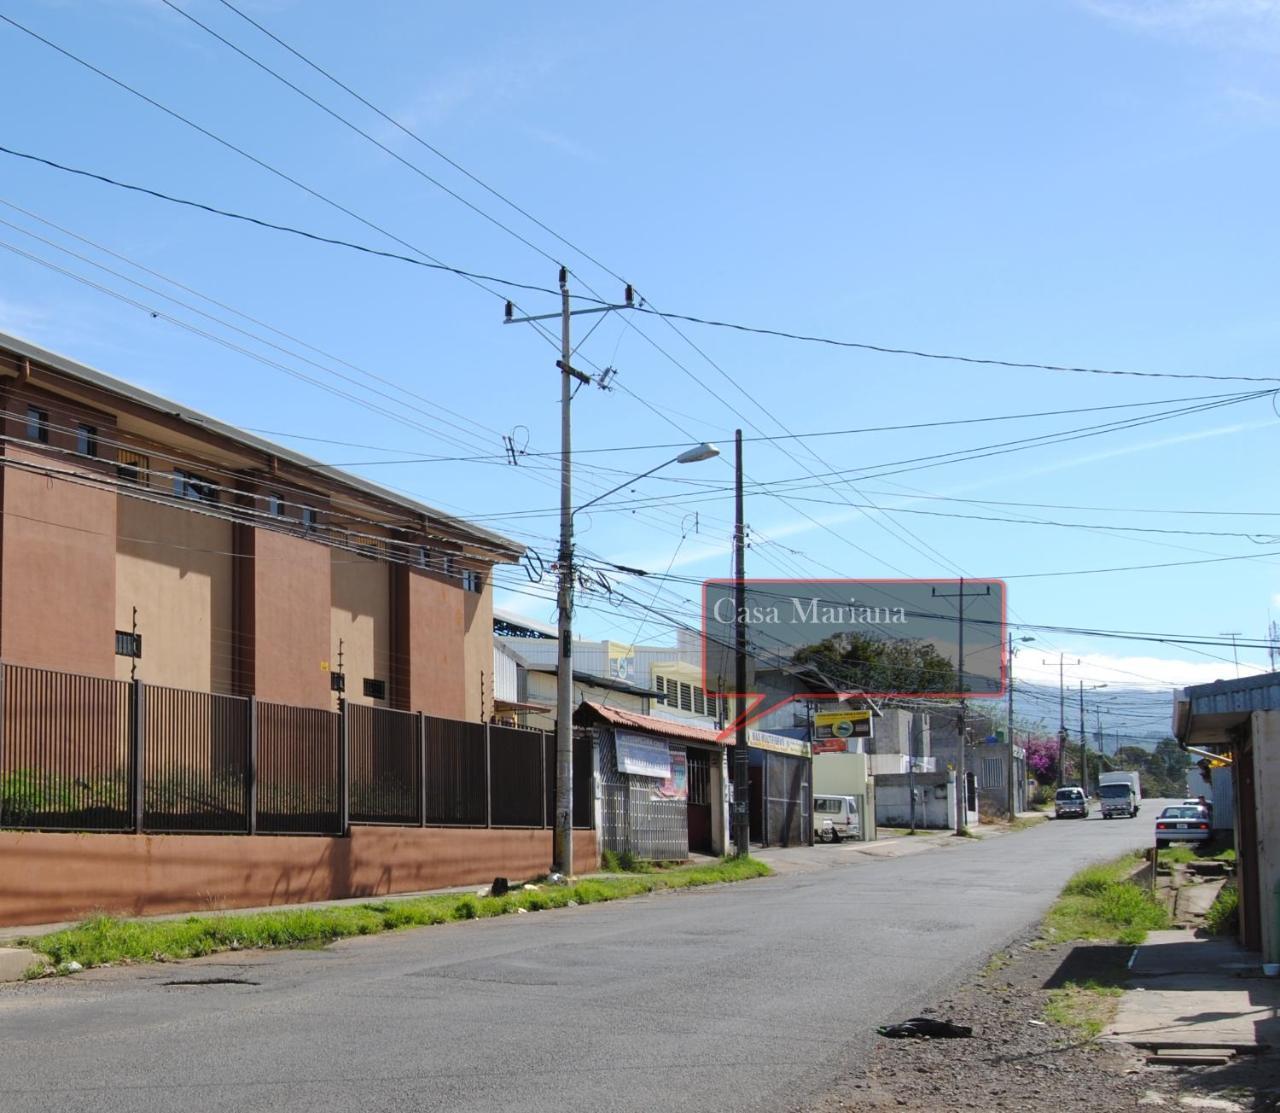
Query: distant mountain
[(1128, 716)]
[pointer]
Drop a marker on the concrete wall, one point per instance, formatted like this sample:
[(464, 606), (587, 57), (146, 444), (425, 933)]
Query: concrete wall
[(1266, 758), (47, 877), (839, 774), (360, 621), (933, 810), (176, 568), (57, 571)]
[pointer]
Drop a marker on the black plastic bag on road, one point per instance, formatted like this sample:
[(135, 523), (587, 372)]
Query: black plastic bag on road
[(925, 1028)]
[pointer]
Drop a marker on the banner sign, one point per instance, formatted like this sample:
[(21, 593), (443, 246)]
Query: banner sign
[(642, 755)]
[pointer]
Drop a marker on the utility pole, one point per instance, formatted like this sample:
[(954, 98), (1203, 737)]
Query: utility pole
[(1012, 800), (1084, 751), (1062, 715), (741, 762), (563, 850)]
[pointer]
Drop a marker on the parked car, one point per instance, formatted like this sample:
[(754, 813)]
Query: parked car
[(1183, 823), (836, 818), (1070, 801)]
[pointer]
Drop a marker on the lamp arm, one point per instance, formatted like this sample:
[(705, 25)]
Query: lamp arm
[(625, 483)]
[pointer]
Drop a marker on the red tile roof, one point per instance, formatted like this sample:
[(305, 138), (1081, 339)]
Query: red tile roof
[(631, 720)]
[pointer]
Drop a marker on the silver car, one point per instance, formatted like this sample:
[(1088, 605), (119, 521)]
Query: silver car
[(1183, 823)]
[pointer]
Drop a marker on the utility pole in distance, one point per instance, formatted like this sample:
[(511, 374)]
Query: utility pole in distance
[(741, 760), (1012, 800), (1084, 745), (1062, 715)]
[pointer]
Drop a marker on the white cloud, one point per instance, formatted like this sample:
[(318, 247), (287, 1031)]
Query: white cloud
[(1248, 24), (1152, 673)]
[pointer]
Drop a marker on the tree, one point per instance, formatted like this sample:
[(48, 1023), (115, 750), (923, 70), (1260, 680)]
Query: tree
[(887, 665)]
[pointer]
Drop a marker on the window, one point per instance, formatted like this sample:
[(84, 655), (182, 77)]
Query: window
[(446, 564), (699, 701), (686, 697), (86, 440), (310, 519), (276, 506), (132, 467), (423, 558), (472, 580), (37, 425), (375, 689), (189, 486), (128, 644)]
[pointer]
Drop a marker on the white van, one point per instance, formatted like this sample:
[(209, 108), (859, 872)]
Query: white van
[(836, 818)]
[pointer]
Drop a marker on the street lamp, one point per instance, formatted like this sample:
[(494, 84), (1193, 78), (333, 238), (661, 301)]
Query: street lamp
[(563, 850), (1011, 796)]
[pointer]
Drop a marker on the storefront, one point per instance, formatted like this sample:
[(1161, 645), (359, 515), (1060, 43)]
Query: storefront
[(781, 790), (662, 784)]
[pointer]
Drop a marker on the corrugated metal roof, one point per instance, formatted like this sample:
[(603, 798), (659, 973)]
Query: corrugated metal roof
[(667, 728), (1249, 693), (74, 370)]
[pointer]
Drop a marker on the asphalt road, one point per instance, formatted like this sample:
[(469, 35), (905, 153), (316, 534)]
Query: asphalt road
[(739, 997)]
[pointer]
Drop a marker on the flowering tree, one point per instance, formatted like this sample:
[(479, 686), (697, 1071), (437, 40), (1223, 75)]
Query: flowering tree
[(1042, 759)]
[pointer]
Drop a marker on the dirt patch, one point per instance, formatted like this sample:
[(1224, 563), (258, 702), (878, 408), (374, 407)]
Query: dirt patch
[(1020, 1059)]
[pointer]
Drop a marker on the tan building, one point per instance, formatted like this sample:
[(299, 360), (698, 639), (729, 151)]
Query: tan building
[(143, 539)]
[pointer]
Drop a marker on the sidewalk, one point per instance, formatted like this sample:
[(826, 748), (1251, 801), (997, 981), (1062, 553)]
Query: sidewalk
[(1187, 992)]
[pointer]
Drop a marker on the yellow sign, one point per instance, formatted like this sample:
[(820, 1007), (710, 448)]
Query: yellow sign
[(842, 724)]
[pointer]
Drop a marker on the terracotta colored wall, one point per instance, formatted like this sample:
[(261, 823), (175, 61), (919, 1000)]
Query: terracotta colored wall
[(291, 619), (176, 568), (436, 669), (477, 653), (59, 572), (361, 618), (47, 877)]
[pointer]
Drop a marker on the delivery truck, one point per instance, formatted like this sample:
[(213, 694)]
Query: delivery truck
[(1120, 794)]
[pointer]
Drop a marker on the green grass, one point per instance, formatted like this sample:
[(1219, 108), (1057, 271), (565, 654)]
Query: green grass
[(1223, 917), (1084, 1008), (1170, 855), (1099, 903), (105, 939)]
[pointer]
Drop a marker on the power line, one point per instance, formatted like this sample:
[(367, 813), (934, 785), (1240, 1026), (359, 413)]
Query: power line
[(979, 360), (260, 222)]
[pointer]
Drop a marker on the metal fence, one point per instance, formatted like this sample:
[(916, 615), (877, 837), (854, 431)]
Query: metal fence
[(81, 753)]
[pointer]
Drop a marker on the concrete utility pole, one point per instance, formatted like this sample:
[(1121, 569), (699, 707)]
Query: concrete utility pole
[(741, 760), (1062, 715), (1084, 745), (562, 848), (563, 838), (1012, 800)]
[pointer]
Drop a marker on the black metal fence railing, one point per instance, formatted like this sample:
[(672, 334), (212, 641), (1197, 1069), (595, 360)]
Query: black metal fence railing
[(457, 782), (385, 765), (82, 753), (196, 761), (298, 770), (67, 751)]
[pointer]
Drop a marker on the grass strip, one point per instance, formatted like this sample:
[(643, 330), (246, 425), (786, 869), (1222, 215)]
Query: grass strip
[(1084, 1008), (1100, 902), (106, 939)]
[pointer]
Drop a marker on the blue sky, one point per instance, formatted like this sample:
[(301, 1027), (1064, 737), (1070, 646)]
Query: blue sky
[(1083, 183)]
